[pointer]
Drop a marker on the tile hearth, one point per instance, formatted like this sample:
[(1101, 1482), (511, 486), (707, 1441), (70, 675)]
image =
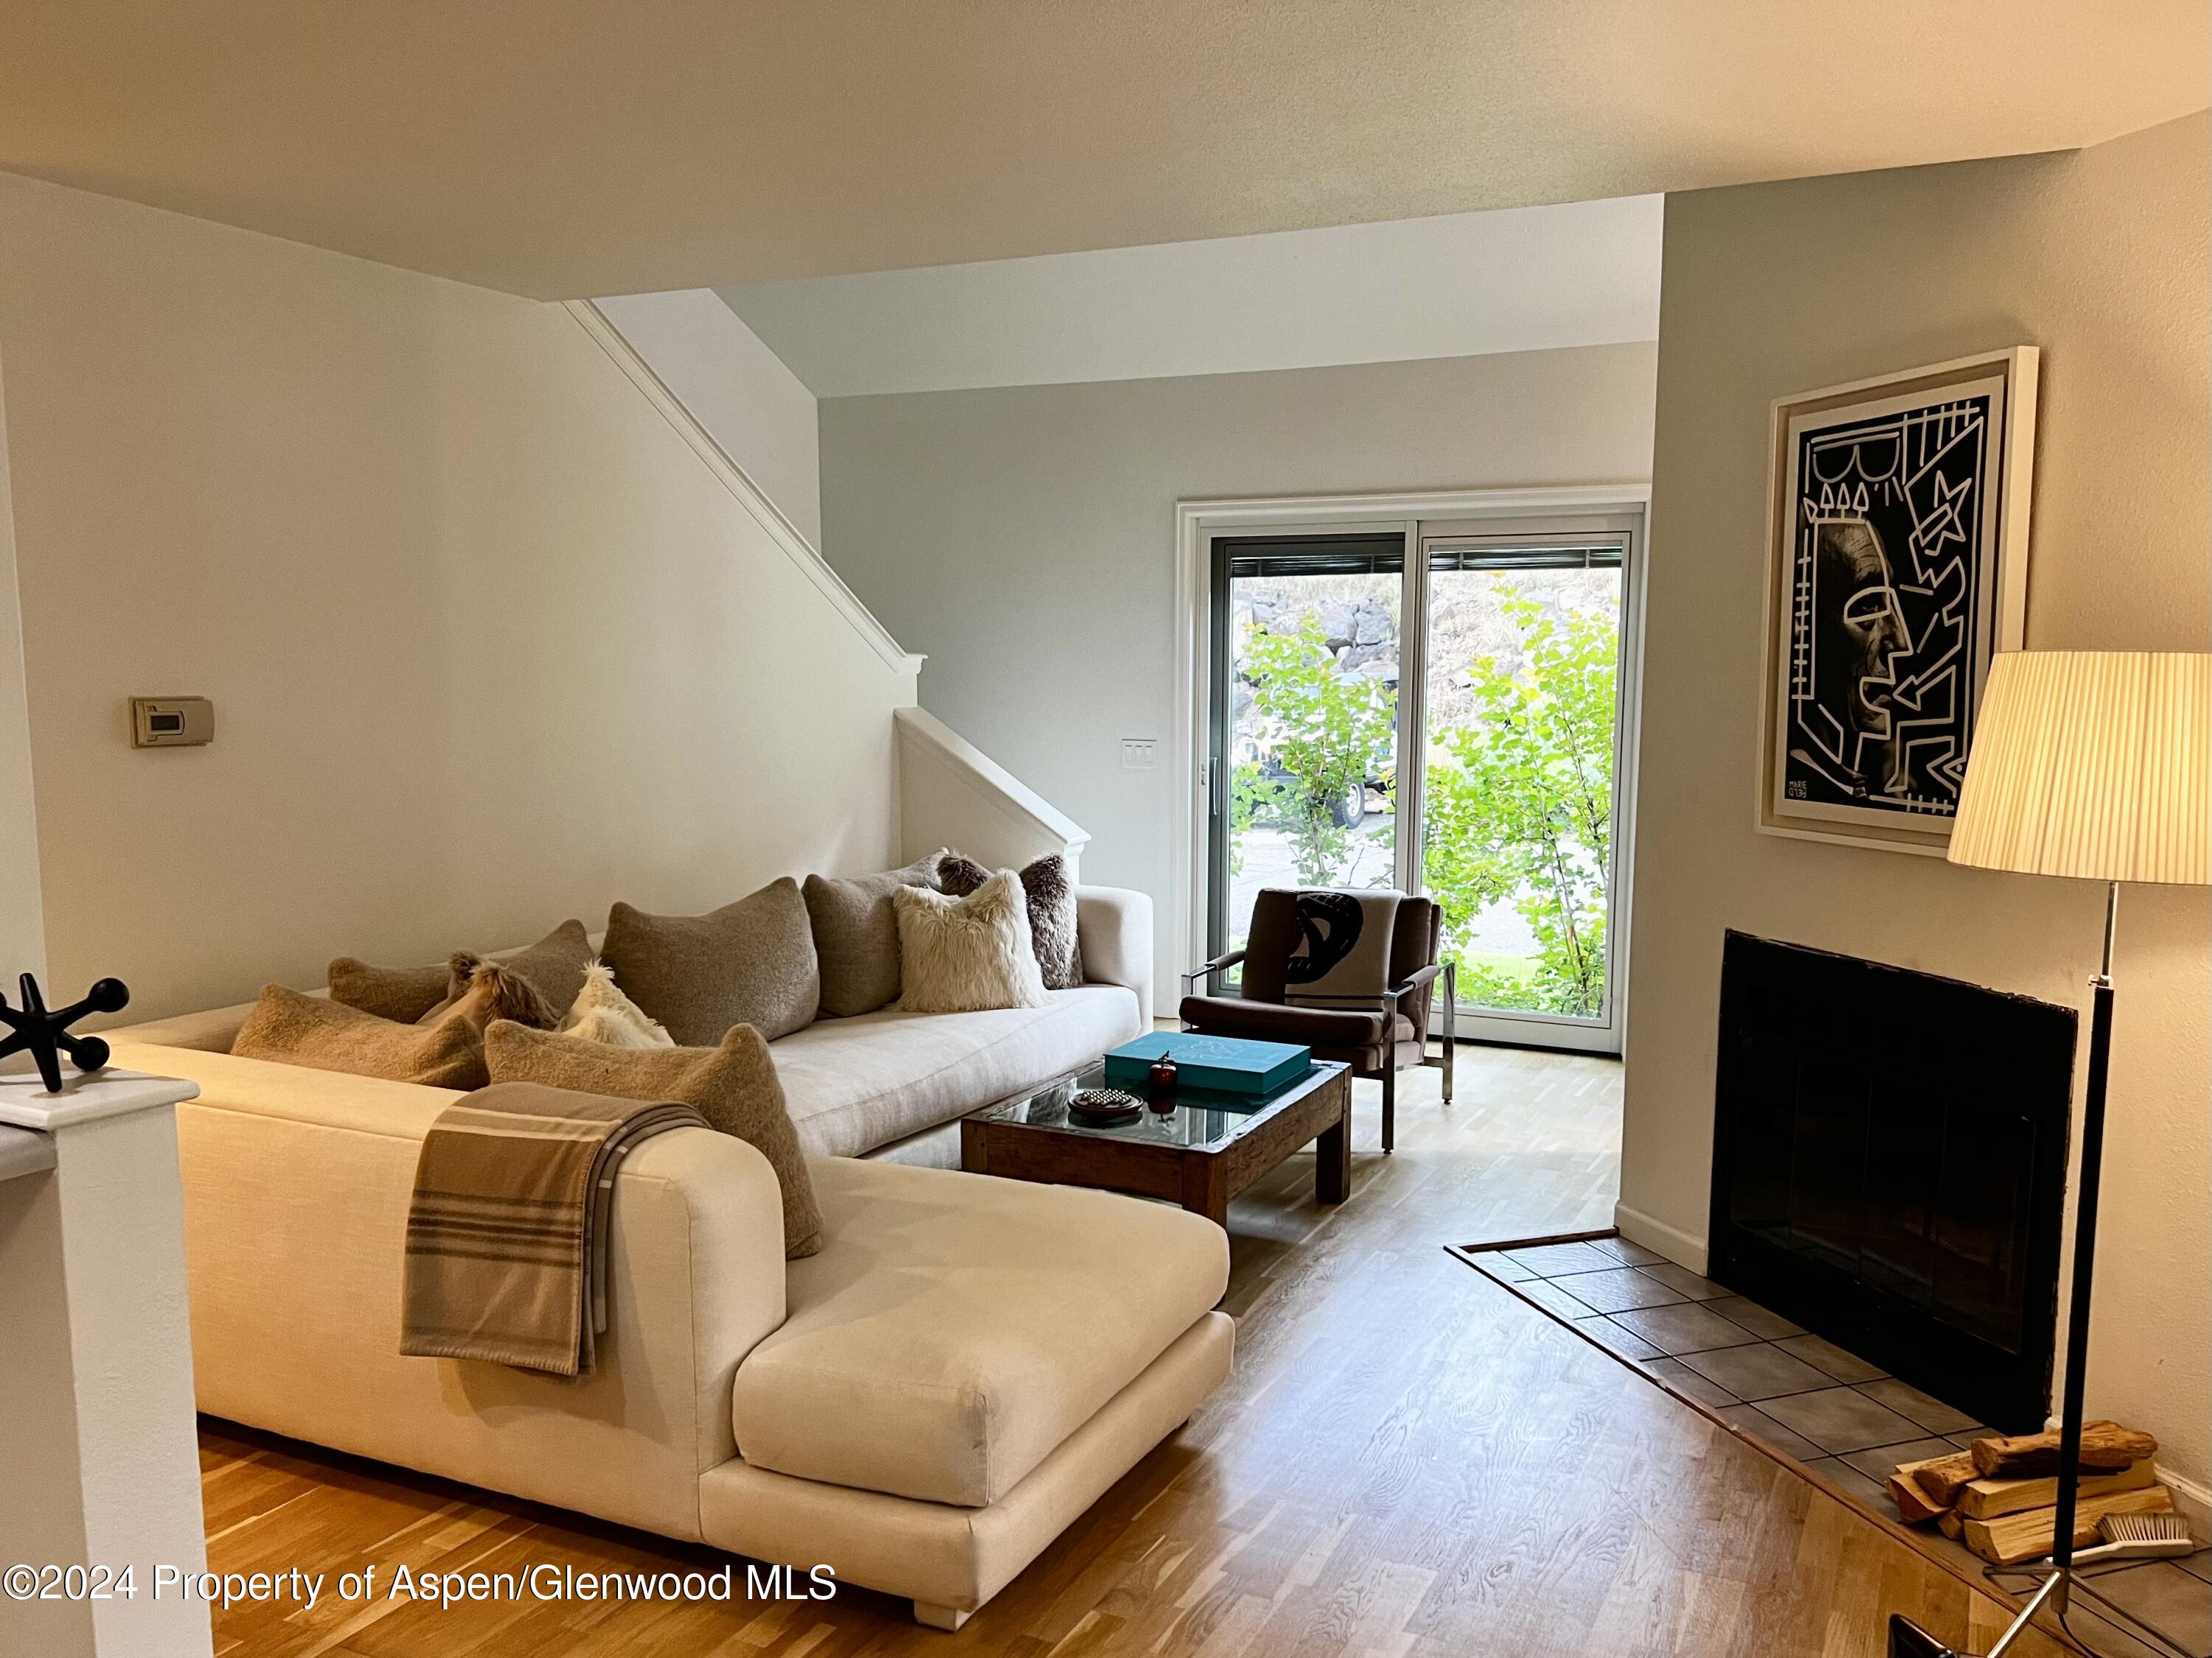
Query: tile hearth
[(1848, 1421)]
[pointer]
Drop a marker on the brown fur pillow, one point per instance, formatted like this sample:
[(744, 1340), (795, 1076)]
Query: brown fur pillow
[(1052, 910), (734, 1087), (293, 1028), (484, 991), (553, 967)]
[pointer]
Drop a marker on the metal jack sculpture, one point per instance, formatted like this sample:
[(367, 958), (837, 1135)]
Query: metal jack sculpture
[(46, 1034)]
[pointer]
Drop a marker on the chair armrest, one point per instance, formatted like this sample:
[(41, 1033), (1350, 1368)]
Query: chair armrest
[(1204, 972), (1114, 937), (1426, 975)]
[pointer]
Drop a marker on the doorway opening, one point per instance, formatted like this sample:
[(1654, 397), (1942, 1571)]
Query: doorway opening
[(1445, 706)]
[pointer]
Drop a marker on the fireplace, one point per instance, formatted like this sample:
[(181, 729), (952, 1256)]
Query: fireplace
[(1889, 1158)]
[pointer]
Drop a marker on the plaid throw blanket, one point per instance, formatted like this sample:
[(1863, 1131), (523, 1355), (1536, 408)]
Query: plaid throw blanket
[(508, 1233)]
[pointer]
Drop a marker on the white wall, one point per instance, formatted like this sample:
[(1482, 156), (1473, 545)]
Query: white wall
[(2101, 259), (1465, 284), (1024, 537), (734, 387), (490, 642), (22, 923)]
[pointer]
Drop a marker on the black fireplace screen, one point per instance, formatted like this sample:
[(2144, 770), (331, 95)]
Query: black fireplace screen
[(1889, 1157)]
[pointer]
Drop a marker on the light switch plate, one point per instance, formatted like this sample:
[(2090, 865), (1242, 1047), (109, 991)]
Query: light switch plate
[(1140, 753), (170, 722)]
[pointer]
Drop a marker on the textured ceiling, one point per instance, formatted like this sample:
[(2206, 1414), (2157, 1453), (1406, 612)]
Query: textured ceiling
[(592, 147)]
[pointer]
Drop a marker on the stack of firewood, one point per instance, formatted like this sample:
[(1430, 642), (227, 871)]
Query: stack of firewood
[(1999, 1497)]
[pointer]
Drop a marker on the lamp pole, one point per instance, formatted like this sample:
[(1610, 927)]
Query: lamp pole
[(2085, 1254)]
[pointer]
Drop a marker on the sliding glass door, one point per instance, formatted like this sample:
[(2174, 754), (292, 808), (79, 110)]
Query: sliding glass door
[(1439, 708), (1306, 629)]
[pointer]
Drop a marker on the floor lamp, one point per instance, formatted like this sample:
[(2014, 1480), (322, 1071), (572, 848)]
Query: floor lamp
[(2095, 765)]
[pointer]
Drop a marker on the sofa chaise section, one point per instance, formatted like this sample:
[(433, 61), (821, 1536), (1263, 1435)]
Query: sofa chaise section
[(955, 1329), (965, 1366)]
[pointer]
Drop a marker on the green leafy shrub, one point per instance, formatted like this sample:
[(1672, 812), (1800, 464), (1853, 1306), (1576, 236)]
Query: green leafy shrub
[(1328, 732), (1519, 805)]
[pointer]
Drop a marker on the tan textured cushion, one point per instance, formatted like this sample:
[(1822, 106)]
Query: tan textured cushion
[(751, 963), (856, 935), (734, 1087), (295, 1029), (955, 1328), (553, 967)]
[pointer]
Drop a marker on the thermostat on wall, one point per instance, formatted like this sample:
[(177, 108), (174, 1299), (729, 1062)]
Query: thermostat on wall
[(170, 722)]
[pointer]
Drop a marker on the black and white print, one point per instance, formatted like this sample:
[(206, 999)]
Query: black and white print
[(1893, 596)]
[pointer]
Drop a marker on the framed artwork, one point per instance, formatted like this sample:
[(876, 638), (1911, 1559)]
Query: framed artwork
[(1897, 564)]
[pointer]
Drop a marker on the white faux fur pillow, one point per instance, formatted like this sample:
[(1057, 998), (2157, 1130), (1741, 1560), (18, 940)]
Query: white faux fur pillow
[(963, 954), (601, 1013)]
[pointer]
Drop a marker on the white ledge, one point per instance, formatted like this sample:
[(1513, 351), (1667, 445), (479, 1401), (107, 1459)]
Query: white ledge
[(921, 732), (25, 1103)]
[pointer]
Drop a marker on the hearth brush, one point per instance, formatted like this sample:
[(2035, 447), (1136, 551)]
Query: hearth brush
[(2138, 1537)]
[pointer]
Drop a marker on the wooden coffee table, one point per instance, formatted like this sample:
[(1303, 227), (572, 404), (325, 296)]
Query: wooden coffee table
[(1202, 1152)]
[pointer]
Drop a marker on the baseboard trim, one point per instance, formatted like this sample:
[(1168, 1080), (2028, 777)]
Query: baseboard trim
[(2193, 1499), (1652, 1233)]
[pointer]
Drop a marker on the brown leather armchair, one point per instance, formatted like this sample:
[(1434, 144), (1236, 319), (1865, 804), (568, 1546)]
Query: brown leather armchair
[(1376, 1045)]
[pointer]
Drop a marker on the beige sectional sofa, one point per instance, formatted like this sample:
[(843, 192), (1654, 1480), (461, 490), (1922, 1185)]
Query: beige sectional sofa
[(966, 1365)]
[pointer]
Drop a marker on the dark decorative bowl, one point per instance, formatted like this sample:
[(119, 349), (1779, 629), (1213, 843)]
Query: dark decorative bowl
[(1100, 1108)]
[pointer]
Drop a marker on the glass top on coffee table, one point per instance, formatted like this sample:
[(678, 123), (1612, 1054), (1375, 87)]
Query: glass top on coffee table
[(1200, 1118)]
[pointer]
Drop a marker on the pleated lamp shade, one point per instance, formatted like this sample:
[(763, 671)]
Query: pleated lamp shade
[(2096, 764)]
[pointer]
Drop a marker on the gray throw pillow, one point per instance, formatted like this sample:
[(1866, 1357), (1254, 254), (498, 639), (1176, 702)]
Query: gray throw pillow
[(403, 994), (751, 963), (1052, 911), (856, 936)]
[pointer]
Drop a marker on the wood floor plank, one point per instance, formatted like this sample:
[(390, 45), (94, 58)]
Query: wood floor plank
[(1409, 1460)]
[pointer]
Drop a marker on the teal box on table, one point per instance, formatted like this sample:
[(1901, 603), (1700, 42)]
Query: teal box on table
[(1229, 1065)]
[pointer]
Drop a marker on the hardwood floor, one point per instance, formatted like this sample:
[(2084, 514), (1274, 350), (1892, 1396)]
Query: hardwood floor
[(1409, 1460)]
